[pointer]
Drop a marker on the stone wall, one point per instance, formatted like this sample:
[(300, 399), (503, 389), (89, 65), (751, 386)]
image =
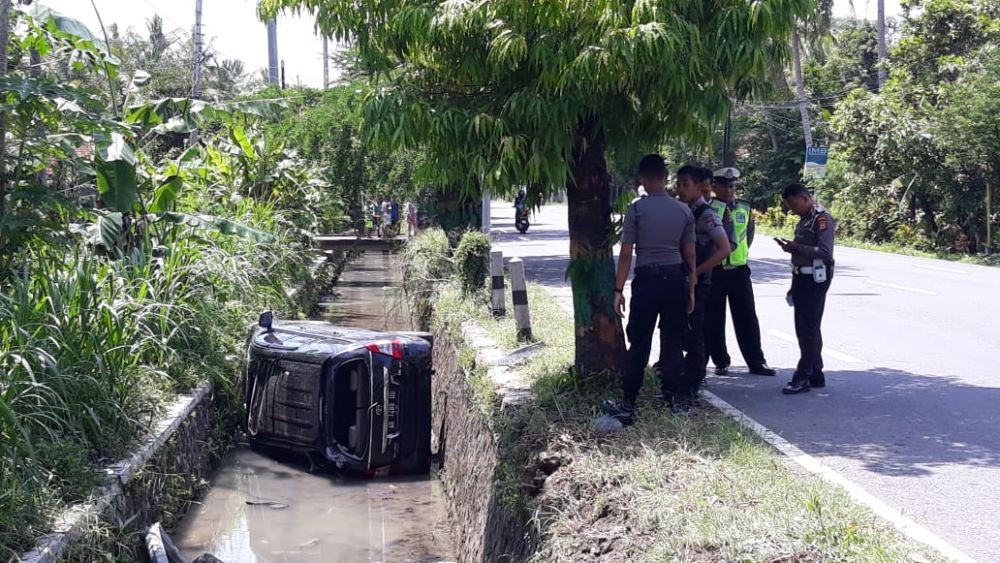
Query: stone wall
[(157, 482), (480, 456)]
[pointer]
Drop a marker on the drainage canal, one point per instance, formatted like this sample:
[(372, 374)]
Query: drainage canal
[(269, 507)]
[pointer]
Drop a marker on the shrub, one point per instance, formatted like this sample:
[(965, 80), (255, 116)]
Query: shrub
[(472, 260), (425, 263)]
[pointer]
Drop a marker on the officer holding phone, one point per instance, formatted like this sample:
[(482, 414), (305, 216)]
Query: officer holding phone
[(812, 271)]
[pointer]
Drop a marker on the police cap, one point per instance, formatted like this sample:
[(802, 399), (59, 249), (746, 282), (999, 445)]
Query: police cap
[(727, 175)]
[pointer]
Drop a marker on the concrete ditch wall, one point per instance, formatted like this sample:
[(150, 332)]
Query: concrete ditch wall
[(155, 482), (479, 463)]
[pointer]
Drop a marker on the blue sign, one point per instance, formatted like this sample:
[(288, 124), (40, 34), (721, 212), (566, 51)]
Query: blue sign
[(816, 161)]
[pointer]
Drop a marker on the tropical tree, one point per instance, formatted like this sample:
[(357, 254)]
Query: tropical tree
[(520, 92)]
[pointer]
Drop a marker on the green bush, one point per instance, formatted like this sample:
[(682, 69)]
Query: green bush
[(472, 261), (426, 264)]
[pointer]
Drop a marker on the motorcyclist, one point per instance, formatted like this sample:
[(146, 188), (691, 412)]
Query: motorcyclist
[(519, 200)]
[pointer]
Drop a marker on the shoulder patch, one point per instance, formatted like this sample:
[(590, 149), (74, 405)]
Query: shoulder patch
[(822, 223)]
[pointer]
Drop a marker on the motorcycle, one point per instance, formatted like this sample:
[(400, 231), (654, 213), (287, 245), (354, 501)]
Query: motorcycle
[(521, 222)]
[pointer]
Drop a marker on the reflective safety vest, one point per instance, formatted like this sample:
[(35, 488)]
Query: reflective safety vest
[(739, 218)]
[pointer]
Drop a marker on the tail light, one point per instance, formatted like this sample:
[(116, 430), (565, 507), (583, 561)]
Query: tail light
[(392, 348)]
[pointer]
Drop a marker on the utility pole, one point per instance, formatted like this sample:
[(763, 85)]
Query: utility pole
[(282, 74), (883, 73), (272, 51), (326, 63), (198, 46)]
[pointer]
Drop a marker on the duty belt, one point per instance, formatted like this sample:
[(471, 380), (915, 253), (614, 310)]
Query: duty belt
[(802, 270), (655, 269)]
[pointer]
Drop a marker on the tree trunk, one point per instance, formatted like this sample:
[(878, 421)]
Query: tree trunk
[(883, 73), (930, 223), (800, 88), (600, 342)]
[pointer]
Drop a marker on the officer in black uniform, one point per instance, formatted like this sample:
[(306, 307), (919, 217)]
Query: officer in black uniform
[(812, 271), (661, 231), (712, 246)]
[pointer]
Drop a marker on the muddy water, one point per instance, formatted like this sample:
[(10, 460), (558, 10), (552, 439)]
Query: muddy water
[(271, 508)]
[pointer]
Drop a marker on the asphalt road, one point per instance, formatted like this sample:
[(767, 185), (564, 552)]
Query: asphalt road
[(911, 411)]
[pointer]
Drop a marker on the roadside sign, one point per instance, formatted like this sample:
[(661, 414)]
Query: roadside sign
[(816, 161)]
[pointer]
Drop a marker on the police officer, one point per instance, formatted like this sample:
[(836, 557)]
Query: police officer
[(731, 280), (711, 248), (660, 230), (812, 271)]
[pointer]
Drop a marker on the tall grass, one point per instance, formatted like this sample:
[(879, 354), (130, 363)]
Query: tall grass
[(92, 345)]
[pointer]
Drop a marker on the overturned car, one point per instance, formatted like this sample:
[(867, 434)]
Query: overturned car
[(360, 399)]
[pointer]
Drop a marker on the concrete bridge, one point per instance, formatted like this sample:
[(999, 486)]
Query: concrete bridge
[(359, 244)]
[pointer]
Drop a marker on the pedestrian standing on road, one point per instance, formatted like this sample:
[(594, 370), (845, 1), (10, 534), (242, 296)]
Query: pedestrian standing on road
[(411, 219), (377, 217), (731, 281), (660, 230), (711, 248), (812, 271)]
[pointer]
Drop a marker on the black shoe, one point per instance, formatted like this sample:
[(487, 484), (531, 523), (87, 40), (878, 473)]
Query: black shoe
[(763, 369), (682, 407), (817, 382), (721, 370), (795, 387), (624, 411)]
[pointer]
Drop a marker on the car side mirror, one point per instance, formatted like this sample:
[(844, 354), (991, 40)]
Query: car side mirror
[(265, 320)]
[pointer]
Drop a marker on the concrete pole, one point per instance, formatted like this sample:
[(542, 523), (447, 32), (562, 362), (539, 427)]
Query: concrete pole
[(519, 294), (486, 212), (496, 276), (272, 51), (198, 47), (326, 63)]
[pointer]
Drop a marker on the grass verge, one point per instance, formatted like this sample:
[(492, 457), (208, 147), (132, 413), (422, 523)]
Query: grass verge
[(889, 247), (702, 488)]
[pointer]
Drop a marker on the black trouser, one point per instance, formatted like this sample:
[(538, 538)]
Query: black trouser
[(657, 293), (809, 299), (686, 385), (734, 284)]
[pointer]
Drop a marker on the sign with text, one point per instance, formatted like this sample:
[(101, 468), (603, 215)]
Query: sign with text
[(816, 161)]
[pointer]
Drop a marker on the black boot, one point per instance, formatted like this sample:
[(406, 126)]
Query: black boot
[(623, 410), (796, 386)]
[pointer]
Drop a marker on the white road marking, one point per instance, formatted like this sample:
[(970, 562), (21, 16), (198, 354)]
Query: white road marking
[(817, 467), (939, 269), (901, 287), (826, 351)]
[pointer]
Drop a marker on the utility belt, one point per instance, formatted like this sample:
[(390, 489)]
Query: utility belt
[(820, 271), (662, 270), (732, 267)]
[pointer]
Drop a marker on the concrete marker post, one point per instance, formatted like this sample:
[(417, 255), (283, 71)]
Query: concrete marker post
[(496, 277), (519, 295)]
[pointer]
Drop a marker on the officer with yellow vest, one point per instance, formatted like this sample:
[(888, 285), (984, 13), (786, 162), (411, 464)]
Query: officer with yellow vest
[(731, 281)]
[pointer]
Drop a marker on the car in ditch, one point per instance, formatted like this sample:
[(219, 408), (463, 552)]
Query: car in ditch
[(354, 398)]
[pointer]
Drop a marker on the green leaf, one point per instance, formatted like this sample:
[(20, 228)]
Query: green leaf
[(240, 138), (116, 182), (114, 148), (218, 224), (110, 228), (165, 195)]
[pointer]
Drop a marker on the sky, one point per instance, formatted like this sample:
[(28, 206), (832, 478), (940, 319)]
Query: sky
[(233, 30)]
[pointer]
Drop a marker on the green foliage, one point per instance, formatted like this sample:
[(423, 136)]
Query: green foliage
[(472, 261), (126, 276), (506, 91), (426, 266), (926, 145)]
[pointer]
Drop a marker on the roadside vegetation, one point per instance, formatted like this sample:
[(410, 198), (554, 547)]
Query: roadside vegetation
[(671, 488), (913, 163), (131, 260)]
